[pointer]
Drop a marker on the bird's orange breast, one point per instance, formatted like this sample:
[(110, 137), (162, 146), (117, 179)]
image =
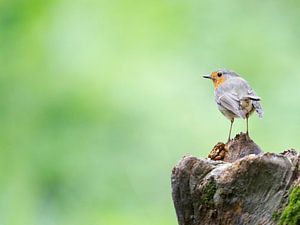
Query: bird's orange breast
[(217, 80)]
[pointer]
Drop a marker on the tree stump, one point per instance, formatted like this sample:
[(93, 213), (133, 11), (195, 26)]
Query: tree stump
[(244, 186)]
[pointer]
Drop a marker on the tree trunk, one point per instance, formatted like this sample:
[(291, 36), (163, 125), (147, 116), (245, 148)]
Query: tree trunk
[(246, 186)]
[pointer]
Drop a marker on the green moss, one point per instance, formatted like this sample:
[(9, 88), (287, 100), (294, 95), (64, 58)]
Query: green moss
[(208, 193), (291, 213), (276, 215)]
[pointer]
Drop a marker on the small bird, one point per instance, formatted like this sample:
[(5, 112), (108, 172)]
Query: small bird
[(234, 96)]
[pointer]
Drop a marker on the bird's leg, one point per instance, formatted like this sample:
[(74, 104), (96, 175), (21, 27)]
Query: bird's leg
[(231, 122), (247, 116)]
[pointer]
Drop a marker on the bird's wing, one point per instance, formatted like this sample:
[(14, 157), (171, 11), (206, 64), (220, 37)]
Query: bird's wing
[(231, 102)]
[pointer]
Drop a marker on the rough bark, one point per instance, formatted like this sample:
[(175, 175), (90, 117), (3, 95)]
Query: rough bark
[(246, 187)]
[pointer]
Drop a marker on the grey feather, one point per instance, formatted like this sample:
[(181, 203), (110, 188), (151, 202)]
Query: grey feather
[(258, 108), (252, 97), (231, 103), (256, 104)]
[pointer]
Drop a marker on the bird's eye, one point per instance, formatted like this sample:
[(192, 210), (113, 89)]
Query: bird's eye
[(219, 74)]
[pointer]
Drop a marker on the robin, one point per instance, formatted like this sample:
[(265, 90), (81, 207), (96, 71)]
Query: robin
[(234, 96)]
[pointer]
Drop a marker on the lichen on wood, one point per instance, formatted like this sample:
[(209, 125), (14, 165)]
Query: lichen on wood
[(208, 193)]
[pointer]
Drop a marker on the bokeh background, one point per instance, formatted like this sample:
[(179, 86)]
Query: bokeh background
[(100, 99)]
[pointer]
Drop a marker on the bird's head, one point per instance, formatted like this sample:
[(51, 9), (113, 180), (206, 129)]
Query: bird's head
[(220, 76)]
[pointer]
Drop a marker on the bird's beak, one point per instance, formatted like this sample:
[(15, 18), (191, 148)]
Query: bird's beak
[(207, 77)]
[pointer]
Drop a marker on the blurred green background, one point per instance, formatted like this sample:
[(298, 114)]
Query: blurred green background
[(100, 99)]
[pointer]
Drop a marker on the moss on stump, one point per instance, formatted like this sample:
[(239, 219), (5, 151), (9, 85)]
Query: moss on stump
[(291, 213)]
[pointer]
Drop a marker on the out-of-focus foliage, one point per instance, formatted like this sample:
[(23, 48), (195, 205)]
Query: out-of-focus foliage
[(99, 99)]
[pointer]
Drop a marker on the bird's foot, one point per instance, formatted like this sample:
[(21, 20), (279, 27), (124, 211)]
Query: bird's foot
[(228, 140), (248, 137)]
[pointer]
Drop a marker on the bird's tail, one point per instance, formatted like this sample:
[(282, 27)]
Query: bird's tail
[(256, 104), (258, 108)]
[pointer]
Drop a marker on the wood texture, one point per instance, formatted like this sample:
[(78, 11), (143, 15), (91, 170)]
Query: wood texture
[(248, 187)]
